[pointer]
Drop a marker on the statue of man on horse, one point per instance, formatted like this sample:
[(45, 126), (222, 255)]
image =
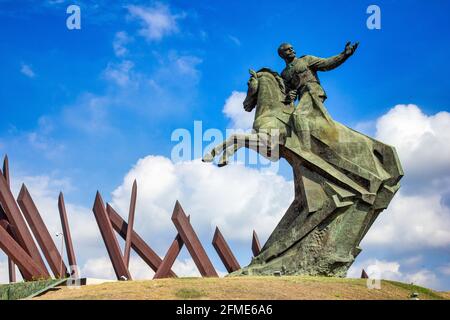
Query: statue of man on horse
[(343, 179)]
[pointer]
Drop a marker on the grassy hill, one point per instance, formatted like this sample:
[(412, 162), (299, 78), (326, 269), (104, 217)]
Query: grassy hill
[(264, 288)]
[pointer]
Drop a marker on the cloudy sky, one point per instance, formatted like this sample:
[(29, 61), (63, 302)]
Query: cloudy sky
[(93, 109)]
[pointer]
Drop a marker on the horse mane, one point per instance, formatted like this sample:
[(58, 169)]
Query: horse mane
[(277, 77)]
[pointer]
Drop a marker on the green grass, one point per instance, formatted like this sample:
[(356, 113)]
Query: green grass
[(189, 293), (21, 290), (413, 288)]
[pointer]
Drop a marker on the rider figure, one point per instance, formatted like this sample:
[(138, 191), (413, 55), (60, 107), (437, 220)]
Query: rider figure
[(302, 82), (300, 74)]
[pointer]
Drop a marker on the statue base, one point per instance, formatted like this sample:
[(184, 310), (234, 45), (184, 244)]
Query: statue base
[(319, 235)]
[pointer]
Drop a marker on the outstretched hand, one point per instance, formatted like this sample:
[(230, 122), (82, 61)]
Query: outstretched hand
[(350, 48)]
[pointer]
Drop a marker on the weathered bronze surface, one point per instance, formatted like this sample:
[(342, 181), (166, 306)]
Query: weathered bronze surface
[(343, 179)]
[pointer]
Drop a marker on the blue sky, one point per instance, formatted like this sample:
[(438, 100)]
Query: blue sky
[(81, 107)]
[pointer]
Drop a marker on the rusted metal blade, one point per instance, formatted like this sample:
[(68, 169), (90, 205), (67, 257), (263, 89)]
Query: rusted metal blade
[(256, 247), (127, 250), (8, 227), (170, 257), (111, 243), (6, 170), (11, 271), (11, 265), (364, 274), (66, 230), (137, 243), (29, 268), (224, 252), (192, 242), (41, 233), (22, 233)]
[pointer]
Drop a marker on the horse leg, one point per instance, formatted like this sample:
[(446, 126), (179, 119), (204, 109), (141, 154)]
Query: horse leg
[(252, 141), (209, 156)]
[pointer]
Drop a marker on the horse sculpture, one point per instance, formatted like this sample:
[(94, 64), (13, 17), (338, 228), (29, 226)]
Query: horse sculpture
[(343, 180)]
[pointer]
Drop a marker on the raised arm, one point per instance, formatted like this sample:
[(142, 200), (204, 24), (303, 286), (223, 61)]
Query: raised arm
[(325, 64)]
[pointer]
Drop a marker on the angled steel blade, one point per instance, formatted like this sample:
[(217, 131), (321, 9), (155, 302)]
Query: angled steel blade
[(11, 265), (111, 243), (30, 269), (169, 258), (224, 252), (41, 233), (137, 243), (127, 250), (364, 274), (23, 234), (192, 242), (256, 247), (6, 170), (66, 231)]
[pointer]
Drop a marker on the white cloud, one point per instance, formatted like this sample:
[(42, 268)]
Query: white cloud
[(235, 40), (423, 277), (411, 222), (139, 269), (39, 140), (366, 127), (445, 270), (121, 39), (187, 65), (391, 270), (4, 278), (98, 268), (89, 113), (156, 21), (44, 191), (119, 73), (42, 143), (418, 216), (185, 268), (27, 71), (376, 269), (422, 141), (413, 261), (234, 110)]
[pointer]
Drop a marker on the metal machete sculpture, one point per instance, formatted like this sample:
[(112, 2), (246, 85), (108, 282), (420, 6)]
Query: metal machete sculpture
[(343, 179)]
